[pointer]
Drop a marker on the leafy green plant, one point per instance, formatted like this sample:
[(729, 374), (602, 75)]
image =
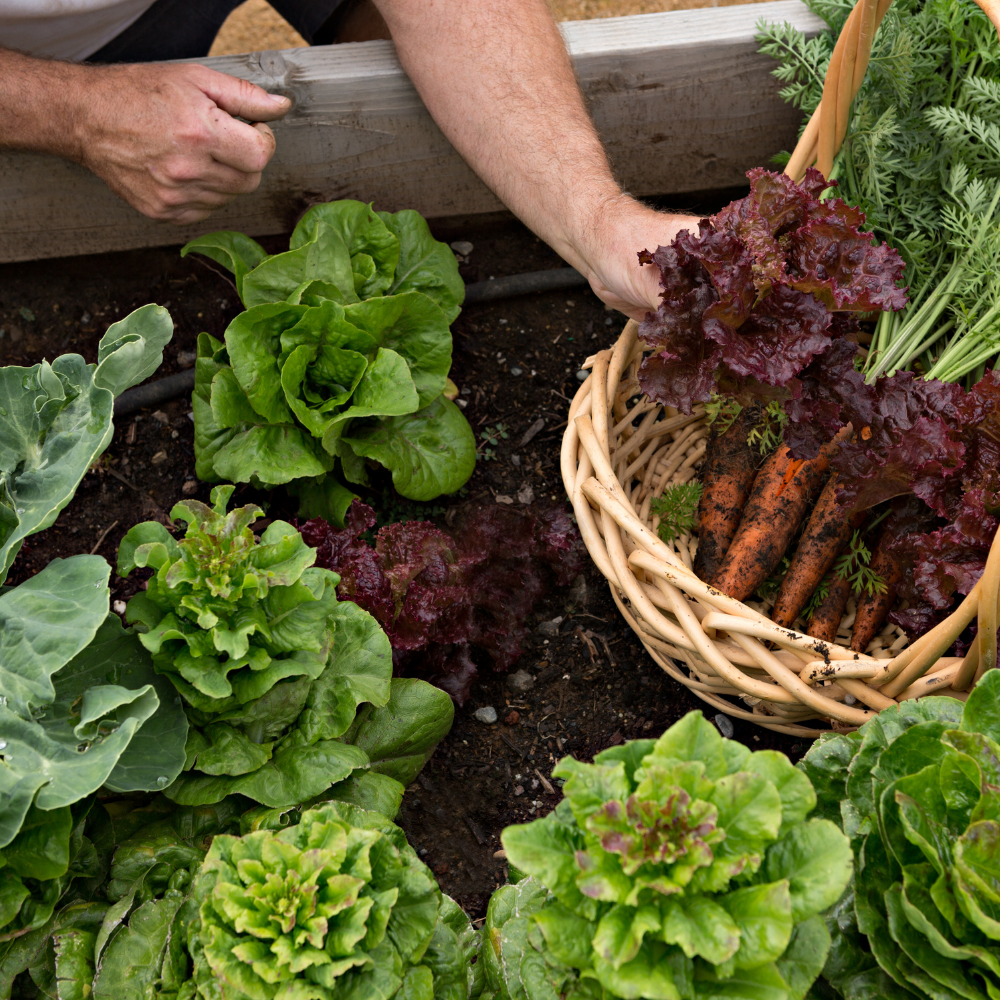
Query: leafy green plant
[(920, 158), (271, 666), (917, 789), (80, 708), (854, 566), (341, 357), (491, 438), (677, 509), (683, 867), (55, 420), (337, 904), (721, 412), (765, 435)]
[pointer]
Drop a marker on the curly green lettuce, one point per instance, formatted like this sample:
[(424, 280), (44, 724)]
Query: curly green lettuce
[(338, 905), (673, 869)]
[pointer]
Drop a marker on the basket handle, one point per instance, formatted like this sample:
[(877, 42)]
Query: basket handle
[(824, 133)]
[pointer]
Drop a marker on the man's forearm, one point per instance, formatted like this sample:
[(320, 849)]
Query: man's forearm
[(36, 101), (497, 79)]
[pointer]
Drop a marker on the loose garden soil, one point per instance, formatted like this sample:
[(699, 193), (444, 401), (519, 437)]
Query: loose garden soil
[(516, 362)]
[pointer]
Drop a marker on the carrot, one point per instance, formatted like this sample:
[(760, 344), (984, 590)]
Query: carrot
[(771, 517), (823, 538), (730, 467), (873, 608), (825, 620)]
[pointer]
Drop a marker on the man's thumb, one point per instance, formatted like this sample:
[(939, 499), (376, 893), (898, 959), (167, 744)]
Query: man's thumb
[(243, 99)]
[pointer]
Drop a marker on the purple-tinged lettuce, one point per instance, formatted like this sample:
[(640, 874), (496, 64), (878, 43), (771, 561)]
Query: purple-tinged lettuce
[(753, 298), (672, 869)]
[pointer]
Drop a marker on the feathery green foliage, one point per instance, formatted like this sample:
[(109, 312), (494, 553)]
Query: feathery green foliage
[(922, 160), (677, 509)]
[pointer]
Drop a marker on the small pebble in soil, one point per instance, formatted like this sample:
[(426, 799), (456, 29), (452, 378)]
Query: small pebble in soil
[(725, 725), (487, 714), (516, 460), (515, 371), (464, 247), (190, 487), (512, 718), (119, 607), (519, 681), (526, 494), (519, 789), (582, 375), (160, 417), (186, 358), (159, 458), (550, 628)]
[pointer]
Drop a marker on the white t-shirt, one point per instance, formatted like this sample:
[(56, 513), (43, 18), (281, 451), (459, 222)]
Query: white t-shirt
[(65, 29)]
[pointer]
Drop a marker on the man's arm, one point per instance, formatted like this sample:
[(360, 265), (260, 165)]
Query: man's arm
[(164, 138), (497, 79)]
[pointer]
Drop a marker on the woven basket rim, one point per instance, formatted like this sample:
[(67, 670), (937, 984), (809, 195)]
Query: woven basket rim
[(677, 616)]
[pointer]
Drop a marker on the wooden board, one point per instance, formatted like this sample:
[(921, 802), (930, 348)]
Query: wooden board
[(682, 100)]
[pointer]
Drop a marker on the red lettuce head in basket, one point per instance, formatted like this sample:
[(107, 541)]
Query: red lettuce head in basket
[(765, 287)]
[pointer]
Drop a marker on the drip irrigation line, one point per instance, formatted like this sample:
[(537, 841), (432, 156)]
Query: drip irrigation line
[(165, 389)]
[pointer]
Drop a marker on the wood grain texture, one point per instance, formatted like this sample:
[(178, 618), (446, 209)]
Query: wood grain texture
[(682, 100)]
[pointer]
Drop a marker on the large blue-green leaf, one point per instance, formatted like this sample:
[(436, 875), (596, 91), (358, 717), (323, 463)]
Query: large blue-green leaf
[(425, 265), (763, 914), (701, 927), (132, 349), (415, 328), (44, 623), (825, 765), (400, 736), (56, 419), (209, 436), (804, 957), (797, 796), (155, 755), (691, 738), (234, 251), (369, 790), (62, 766), (430, 452)]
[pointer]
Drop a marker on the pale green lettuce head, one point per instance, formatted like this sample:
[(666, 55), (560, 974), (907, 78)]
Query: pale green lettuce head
[(338, 905), (674, 869)]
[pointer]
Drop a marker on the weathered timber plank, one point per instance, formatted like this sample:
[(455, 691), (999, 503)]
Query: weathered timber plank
[(681, 99)]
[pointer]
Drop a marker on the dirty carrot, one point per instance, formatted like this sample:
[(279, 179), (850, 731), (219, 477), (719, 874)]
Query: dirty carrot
[(825, 620), (874, 607), (771, 517), (730, 467), (823, 538)]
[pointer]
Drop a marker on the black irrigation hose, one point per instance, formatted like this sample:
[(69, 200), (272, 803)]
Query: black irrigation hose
[(523, 284), (165, 389)]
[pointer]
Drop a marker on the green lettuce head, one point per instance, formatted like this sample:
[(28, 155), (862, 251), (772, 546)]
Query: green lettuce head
[(673, 869), (340, 358), (338, 905), (229, 617), (917, 788)]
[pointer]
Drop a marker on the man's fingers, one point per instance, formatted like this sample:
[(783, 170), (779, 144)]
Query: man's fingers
[(243, 99), (243, 147)]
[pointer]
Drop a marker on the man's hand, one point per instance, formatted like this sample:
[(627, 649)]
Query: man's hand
[(609, 253), (166, 139)]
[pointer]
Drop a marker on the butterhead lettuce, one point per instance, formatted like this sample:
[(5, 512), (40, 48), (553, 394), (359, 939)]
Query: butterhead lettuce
[(341, 357)]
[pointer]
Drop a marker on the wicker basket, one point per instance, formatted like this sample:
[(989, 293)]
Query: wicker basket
[(620, 450)]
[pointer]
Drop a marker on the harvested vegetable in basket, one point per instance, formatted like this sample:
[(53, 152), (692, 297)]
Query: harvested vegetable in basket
[(921, 159), (766, 286)]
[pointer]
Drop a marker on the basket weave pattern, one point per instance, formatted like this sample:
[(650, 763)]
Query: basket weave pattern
[(619, 451)]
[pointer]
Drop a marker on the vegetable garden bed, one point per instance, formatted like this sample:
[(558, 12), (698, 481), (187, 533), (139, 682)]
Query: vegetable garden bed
[(482, 776)]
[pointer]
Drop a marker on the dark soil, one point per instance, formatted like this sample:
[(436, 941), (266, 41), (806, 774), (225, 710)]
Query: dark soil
[(515, 362)]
